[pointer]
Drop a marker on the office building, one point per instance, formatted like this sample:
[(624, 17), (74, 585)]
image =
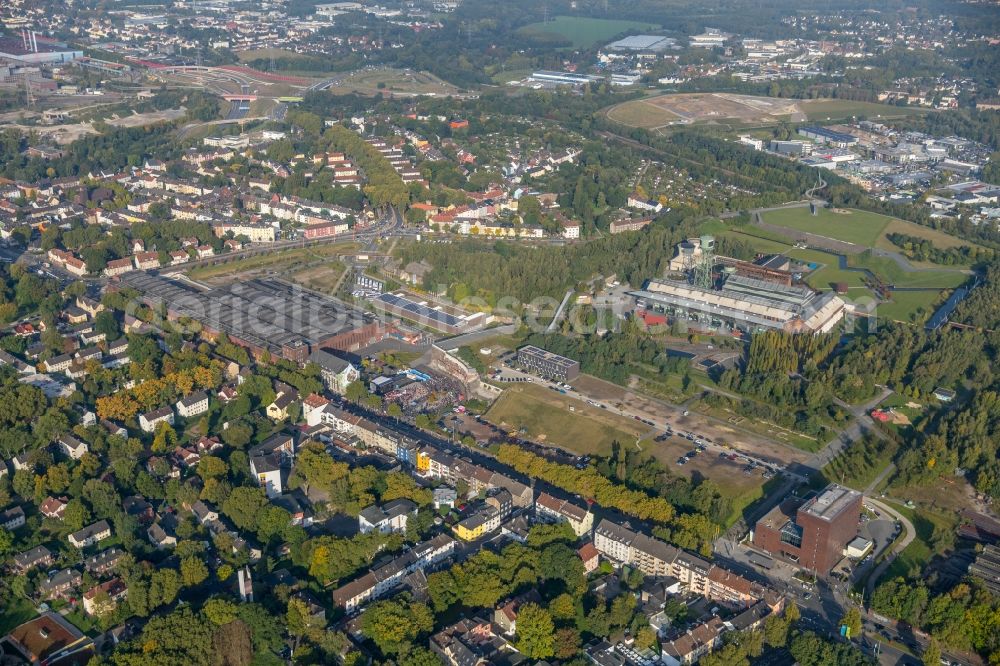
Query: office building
[(547, 364), (813, 534)]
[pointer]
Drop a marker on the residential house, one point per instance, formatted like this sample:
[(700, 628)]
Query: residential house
[(203, 513), (103, 598), (694, 644), (59, 584), (137, 507), (59, 363), (505, 616), (12, 518), (298, 507), (590, 557), (208, 445), (36, 558), (72, 447), (391, 517), (267, 470), (278, 409), (469, 642), (193, 404), (150, 420), (104, 561), (145, 261), (385, 577), (161, 534), (550, 508), (53, 507), (312, 409), (90, 534)]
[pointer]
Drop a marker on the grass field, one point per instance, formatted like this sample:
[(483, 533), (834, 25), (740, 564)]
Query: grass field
[(274, 261), (585, 32), (546, 417), (641, 113), (919, 553), (758, 427), (745, 111), (855, 226), (890, 272), (839, 109), (324, 277)]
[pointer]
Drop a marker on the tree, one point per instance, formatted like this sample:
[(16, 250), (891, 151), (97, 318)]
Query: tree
[(566, 643), (393, 625), (563, 607), (852, 619), (106, 323), (932, 653), (535, 637), (165, 438), (244, 506), (220, 611), (179, 637), (6, 541), (211, 467), (193, 571), (232, 644), (420, 656)]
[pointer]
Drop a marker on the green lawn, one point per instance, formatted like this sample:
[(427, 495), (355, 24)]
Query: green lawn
[(586, 32), (911, 306), (919, 553), (546, 417), (890, 272), (840, 109), (855, 226)]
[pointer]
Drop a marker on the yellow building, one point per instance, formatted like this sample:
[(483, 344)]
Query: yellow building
[(471, 528), (423, 461)]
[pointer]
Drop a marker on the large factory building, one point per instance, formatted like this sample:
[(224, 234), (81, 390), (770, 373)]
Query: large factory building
[(262, 315), (722, 295)]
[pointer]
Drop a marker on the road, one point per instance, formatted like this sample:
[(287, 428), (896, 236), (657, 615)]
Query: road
[(559, 313)]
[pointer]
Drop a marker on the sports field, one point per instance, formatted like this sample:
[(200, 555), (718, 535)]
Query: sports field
[(545, 416), (585, 32)]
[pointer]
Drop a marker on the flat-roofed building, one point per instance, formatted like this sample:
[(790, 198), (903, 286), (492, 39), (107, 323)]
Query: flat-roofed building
[(815, 533), (744, 304), (547, 364), (263, 315)]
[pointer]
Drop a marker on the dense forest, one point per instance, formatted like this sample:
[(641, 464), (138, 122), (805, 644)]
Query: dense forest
[(511, 275), (921, 249)]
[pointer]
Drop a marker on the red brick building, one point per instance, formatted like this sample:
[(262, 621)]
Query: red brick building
[(812, 534)]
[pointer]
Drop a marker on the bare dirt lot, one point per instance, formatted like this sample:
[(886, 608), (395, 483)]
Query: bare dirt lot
[(60, 134), (725, 472), (704, 107), (720, 432), (151, 118)]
